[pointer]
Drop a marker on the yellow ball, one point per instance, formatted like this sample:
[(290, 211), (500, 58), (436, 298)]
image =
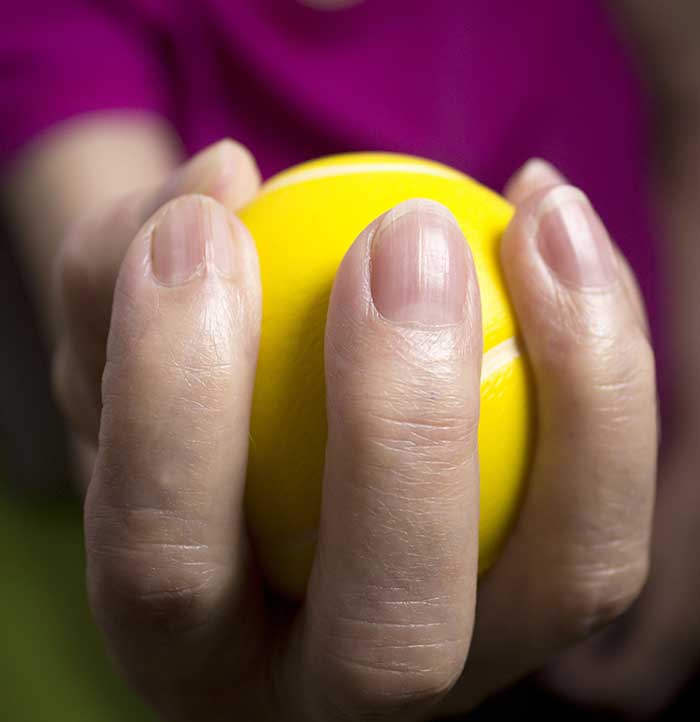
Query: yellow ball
[(303, 222)]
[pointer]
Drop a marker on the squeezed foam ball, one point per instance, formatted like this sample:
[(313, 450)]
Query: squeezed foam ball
[(303, 222)]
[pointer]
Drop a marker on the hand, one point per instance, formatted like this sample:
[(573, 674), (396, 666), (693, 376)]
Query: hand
[(389, 618), (85, 270), (560, 577), (636, 667)]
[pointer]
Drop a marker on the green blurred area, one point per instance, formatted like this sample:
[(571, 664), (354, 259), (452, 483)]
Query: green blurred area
[(53, 667)]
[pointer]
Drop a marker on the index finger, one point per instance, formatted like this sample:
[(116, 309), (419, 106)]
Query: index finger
[(167, 558), (89, 261)]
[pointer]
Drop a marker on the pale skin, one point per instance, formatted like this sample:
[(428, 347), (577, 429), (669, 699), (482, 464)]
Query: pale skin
[(640, 664), (367, 641), (394, 633)]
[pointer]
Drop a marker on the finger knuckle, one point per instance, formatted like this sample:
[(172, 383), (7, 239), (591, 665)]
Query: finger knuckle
[(596, 595), (419, 429), (133, 582), (355, 688), (403, 394), (626, 366), (388, 659), (600, 368), (129, 599)]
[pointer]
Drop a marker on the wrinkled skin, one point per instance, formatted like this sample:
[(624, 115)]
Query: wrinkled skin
[(157, 379)]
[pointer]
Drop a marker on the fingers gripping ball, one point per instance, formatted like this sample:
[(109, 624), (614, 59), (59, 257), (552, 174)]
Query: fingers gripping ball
[(303, 222)]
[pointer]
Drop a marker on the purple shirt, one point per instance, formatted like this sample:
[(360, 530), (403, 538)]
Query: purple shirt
[(479, 84)]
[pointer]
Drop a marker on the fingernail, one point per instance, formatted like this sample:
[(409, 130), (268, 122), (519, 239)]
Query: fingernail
[(178, 243), (573, 241), (419, 265), (192, 229), (219, 233)]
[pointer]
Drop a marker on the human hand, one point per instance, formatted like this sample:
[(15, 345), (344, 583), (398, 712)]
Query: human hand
[(389, 618), (562, 567), (86, 266), (636, 667)]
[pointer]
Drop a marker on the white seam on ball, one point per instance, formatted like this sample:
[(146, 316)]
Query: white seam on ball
[(328, 171), (499, 356)]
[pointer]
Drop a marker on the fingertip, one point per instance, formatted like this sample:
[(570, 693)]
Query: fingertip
[(196, 236), (517, 255), (191, 272), (567, 285), (536, 175), (411, 266), (225, 171), (419, 271), (556, 238), (178, 241), (239, 176)]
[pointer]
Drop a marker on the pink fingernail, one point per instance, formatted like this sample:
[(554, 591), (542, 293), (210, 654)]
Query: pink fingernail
[(573, 241), (192, 229), (220, 237), (419, 265), (178, 242)]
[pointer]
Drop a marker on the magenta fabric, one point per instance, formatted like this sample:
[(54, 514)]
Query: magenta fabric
[(479, 84)]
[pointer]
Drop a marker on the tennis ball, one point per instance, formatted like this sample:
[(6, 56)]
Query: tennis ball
[(303, 222)]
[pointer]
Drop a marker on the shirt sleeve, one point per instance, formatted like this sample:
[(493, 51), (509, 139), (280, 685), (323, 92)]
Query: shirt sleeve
[(61, 58)]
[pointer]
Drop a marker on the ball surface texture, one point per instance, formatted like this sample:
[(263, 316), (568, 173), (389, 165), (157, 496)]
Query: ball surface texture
[(303, 222)]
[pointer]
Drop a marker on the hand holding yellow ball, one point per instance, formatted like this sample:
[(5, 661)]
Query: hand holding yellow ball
[(416, 334), (303, 222)]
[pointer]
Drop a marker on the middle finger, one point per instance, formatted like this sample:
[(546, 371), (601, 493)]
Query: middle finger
[(390, 604)]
